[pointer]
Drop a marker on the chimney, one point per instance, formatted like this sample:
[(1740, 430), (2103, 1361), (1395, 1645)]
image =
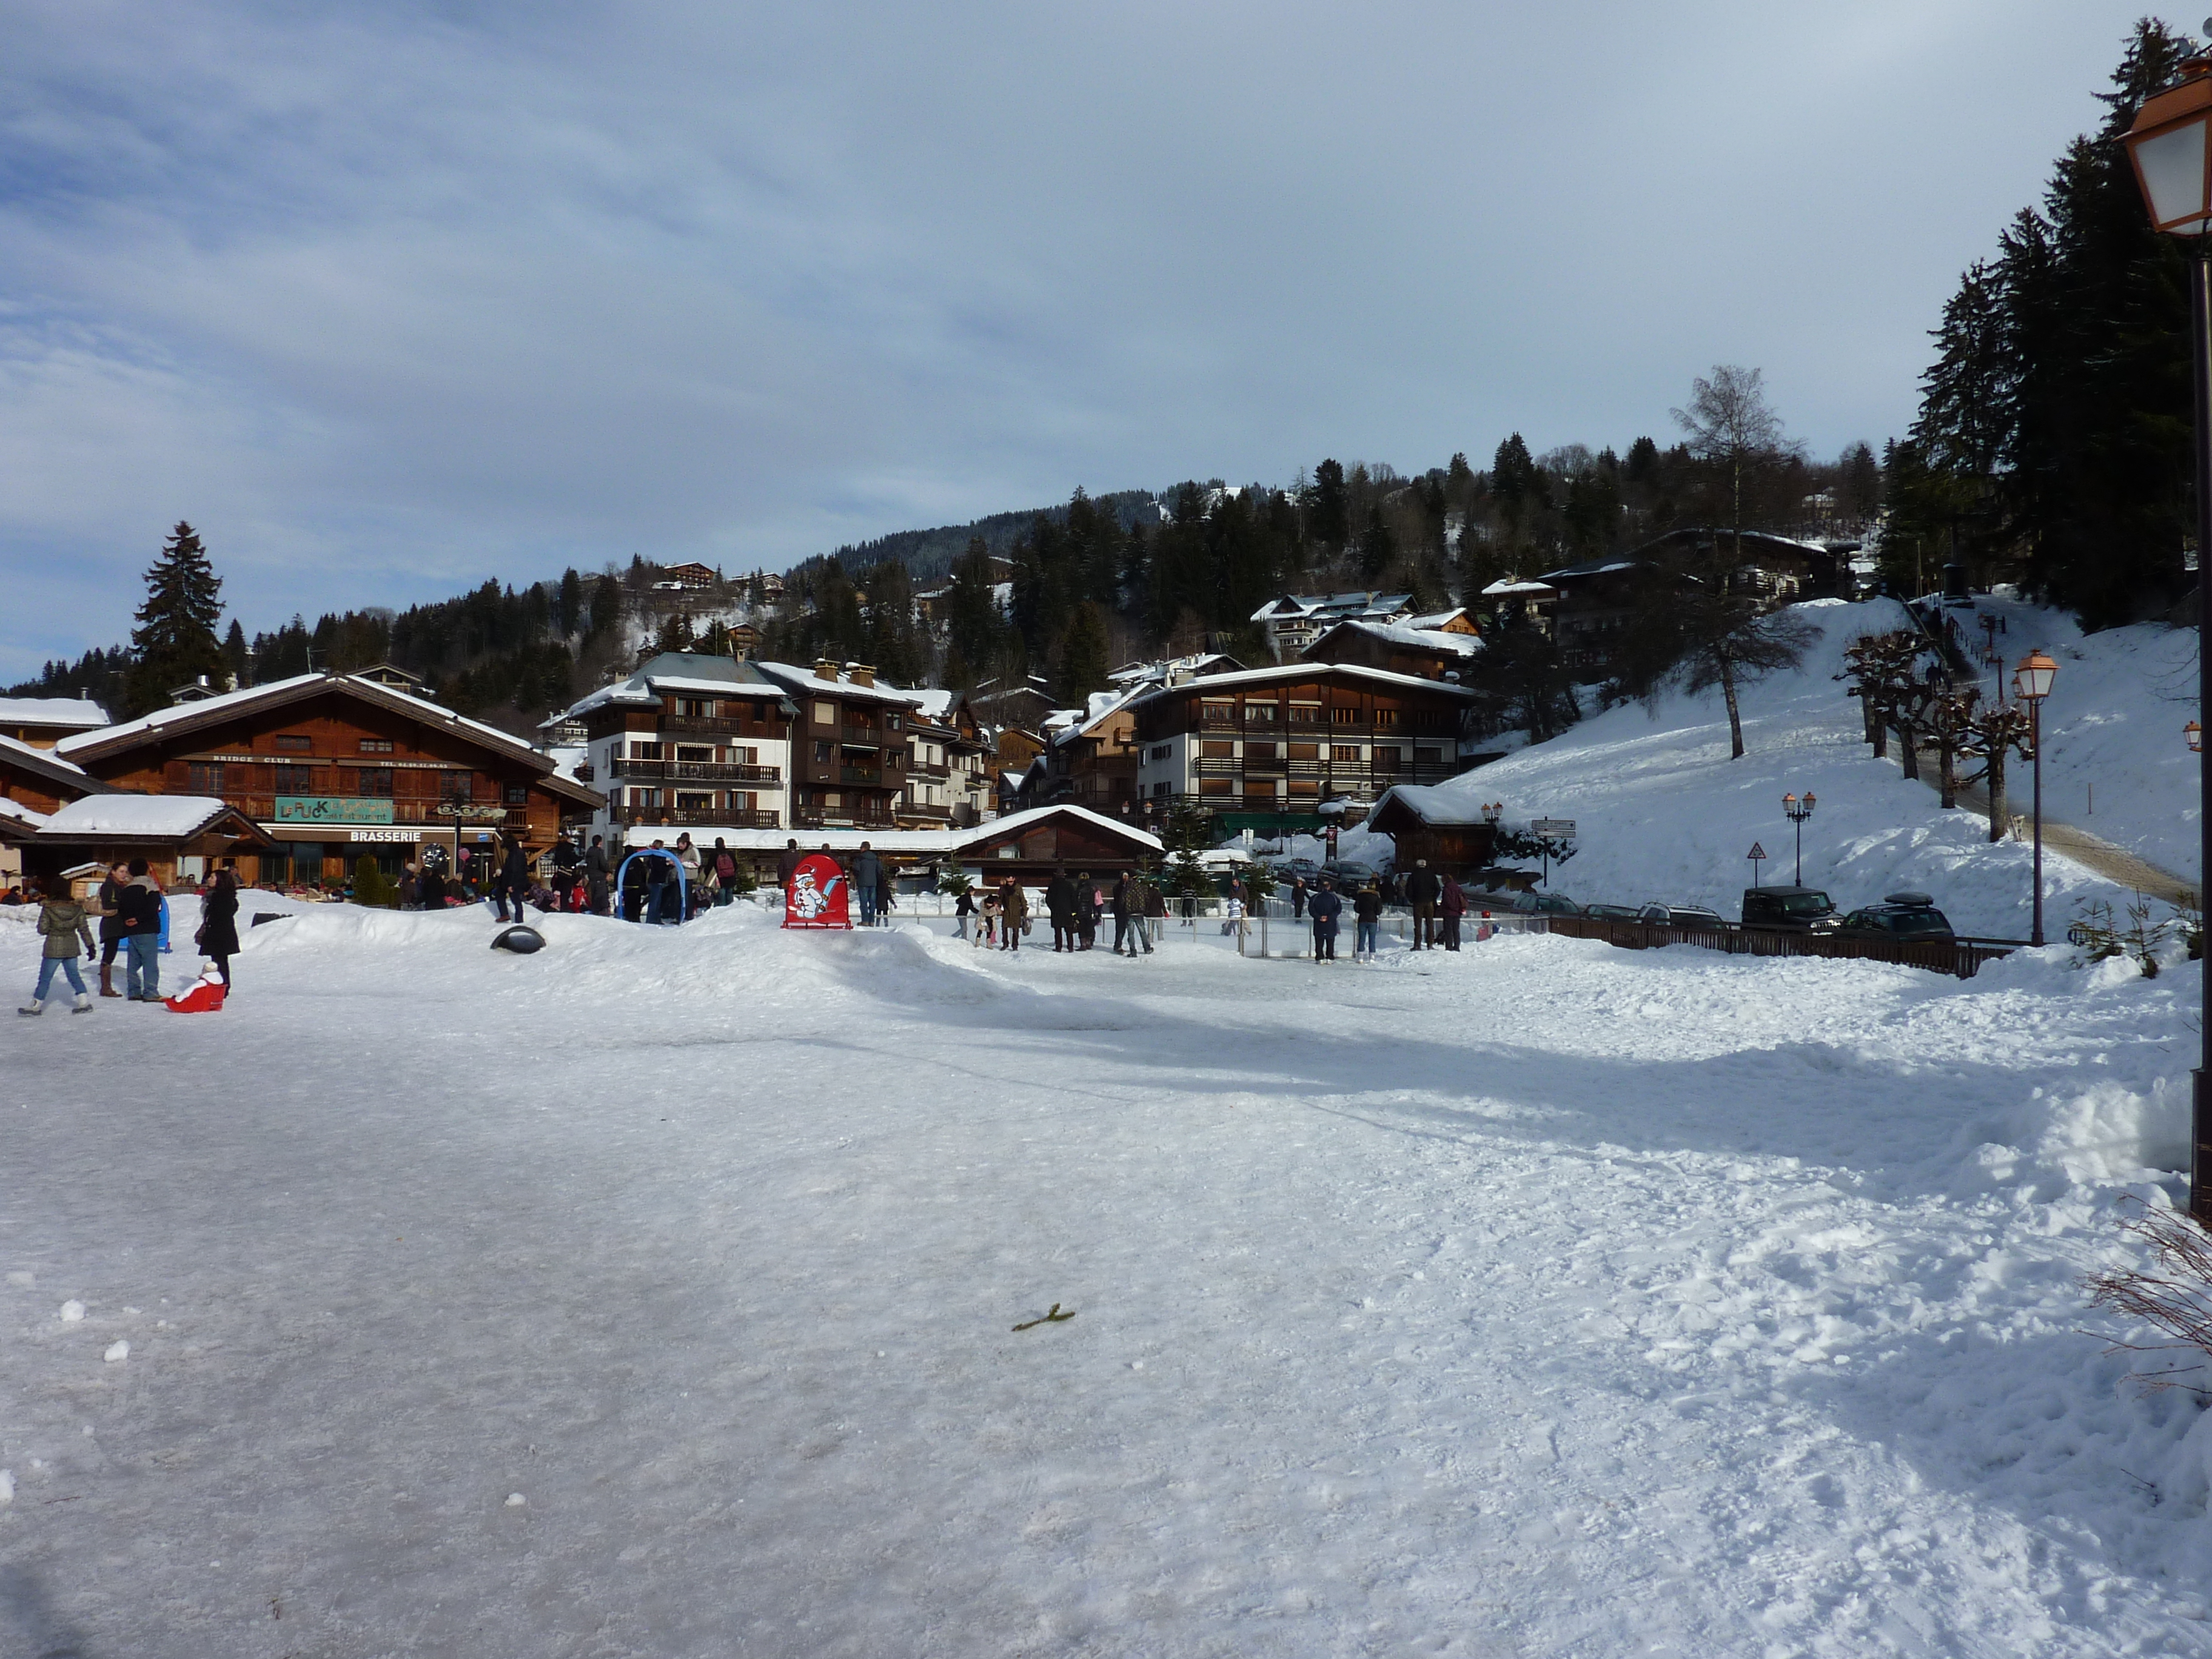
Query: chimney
[(825, 669), (860, 673)]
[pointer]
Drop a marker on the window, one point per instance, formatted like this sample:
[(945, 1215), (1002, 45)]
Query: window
[(1385, 760), (1386, 717), (294, 742), (1428, 757), (646, 799), (517, 794), (1344, 754), (700, 801), (376, 746), (1217, 749), (822, 751), (1162, 751), (890, 722), (207, 778), (1159, 790), (1218, 714), (1344, 716), (825, 714), (1305, 786), (1259, 751), (695, 751), (697, 709), (459, 787), (374, 780), (1306, 751), (1432, 720), (1214, 786), (296, 779), (831, 800), (641, 750), (1306, 714), (1263, 712)]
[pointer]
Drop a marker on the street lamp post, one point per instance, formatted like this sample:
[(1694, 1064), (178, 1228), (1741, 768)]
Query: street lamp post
[(2170, 146), (1798, 809), (2031, 684)]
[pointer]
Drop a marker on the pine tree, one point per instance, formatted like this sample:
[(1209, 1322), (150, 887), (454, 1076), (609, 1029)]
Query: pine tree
[(572, 602), (237, 658), (606, 604), (1083, 651), (175, 641)]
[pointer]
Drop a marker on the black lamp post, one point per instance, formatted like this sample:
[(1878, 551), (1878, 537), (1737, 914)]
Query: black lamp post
[(1798, 809), (2031, 684), (2171, 145)]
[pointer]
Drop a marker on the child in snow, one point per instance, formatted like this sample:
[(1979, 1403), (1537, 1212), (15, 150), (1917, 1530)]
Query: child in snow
[(62, 924)]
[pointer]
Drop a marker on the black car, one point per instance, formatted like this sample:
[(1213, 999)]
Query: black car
[(1684, 915), (1899, 916), (1803, 909)]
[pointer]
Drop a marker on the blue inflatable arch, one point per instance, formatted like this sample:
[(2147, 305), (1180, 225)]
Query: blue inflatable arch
[(683, 888)]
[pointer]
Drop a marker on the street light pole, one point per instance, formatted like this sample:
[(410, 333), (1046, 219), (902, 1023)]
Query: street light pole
[(2170, 146), (2030, 684), (1798, 810)]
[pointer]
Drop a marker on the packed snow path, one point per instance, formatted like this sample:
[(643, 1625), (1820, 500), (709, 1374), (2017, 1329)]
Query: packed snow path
[(653, 1295)]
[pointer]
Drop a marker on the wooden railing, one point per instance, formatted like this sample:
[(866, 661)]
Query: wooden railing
[(668, 771), (1962, 957), (693, 817)]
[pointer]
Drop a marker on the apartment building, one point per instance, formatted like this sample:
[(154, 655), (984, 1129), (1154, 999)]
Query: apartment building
[(850, 744), (949, 765), (1282, 740), (688, 742)]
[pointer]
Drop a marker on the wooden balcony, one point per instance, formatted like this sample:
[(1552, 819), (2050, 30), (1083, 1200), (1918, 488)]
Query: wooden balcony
[(668, 771), (692, 817), (717, 726)]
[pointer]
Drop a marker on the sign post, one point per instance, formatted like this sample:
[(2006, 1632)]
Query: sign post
[(1757, 856), (1547, 831)]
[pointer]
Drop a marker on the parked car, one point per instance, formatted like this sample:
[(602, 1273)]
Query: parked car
[(1613, 912), (1802, 910), (1899, 916), (1524, 904), (1683, 915), (1289, 869), (1353, 871)]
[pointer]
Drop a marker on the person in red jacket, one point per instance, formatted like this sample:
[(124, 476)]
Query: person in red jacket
[(1453, 906)]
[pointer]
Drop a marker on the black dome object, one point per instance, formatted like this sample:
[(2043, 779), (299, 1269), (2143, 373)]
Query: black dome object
[(523, 941)]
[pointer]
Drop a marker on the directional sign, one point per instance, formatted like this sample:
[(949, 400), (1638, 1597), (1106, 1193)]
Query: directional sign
[(1551, 826), (1757, 852)]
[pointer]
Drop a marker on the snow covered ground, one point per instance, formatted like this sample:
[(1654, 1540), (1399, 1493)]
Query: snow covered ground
[(653, 1295), (1663, 813)]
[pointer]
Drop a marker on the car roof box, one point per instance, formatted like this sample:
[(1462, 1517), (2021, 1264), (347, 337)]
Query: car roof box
[(1907, 898)]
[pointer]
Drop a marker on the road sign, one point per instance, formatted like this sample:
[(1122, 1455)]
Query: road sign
[(1551, 826), (1757, 852)]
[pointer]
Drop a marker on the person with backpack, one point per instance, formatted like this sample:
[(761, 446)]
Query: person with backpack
[(725, 872), (138, 911), (62, 926)]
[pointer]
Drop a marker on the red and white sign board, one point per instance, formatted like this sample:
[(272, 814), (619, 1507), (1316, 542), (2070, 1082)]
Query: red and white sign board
[(818, 895)]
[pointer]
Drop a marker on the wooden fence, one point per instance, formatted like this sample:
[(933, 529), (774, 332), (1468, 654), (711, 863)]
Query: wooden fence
[(1962, 957)]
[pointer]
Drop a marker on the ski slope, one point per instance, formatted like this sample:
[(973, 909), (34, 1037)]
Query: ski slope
[(1663, 813), (653, 1295)]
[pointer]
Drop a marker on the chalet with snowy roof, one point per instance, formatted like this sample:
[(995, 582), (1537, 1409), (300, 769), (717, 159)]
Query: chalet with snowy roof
[(35, 783), (1444, 826), (181, 838), (950, 762), (848, 746), (330, 768), (1425, 654), (1271, 744), (1027, 845), (1511, 602), (1778, 569), (44, 721), (1457, 620), (1296, 620), (693, 575)]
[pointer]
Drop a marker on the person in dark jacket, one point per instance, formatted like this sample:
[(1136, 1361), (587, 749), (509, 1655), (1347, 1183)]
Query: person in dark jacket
[(218, 935), (1453, 904), (1013, 914), (1325, 907), (1297, 898), (567, 861), (139, 910), (61, 925), (512, 880), (867, 881), (964, 912), (637, 893), (1122, 908), (1367, 911), (1423, 889), (1086, 909), (111, 927), (1060, 903), (787, 862)]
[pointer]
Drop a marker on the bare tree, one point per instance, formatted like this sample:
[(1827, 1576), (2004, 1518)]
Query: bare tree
[(1728, 641), (1733, 431)]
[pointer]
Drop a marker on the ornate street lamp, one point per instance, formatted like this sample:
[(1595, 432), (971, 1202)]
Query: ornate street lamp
[(2194, 733), (1798, 809), (2031, 684), (2170, 146)]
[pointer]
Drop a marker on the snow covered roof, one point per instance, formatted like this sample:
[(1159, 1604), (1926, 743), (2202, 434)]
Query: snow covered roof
[(940, 843), (46, 763), (203, 709), (14, 814), (1101, 706), (935, 702), (1604, 566), (1212, 683), (154, 817), (1431, 804), (805, 680), (81, 712), (1499, 589), (1364, 602), (1426, 639), (1437, 619), (679, 671)]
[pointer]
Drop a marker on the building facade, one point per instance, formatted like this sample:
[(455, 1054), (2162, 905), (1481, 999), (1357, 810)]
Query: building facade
[(949, 762), (849, 745), (1297, 620), (687, 742), (1282, 740), (333, 768)]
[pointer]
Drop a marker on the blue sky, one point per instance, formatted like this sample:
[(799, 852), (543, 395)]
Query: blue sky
[(388, 300)]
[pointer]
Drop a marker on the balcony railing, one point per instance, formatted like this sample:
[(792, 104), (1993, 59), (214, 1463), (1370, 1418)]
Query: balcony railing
[(708, 724), (862, 737), (812, 819), (668, 771), (693, 817), (859, 775)]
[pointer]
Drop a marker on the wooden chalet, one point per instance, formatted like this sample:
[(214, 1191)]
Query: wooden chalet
[(1450, 832), (329, 767), (42, 722), (1423, 654), (181, 838)]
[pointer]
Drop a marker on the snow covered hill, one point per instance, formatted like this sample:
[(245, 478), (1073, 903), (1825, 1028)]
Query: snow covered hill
[(658, 1294), (1664, 813)]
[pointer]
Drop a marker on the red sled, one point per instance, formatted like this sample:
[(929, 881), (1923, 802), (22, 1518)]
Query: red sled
[(204, 998)]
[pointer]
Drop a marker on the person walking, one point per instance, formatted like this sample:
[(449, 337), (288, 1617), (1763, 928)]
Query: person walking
[(1423, 889), (688, 890), (63, 925), (725, 872), (566, 862), (986, 931), (218, 934), (1453, 904), (1013, 914), (787, 862), (867, 875), (139, 910), (433, 881), (595, 876), (1120, 903), (1297, 898), (513, 880), (964, 912), (1367, 911), (111, 926), (1325, 907), (1152, 912), (1060, 904), (657, 867), (410, 887)]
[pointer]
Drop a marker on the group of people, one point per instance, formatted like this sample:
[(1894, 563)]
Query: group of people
[(998, 913), (1437, 900), (131, 911), (873, 883)]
